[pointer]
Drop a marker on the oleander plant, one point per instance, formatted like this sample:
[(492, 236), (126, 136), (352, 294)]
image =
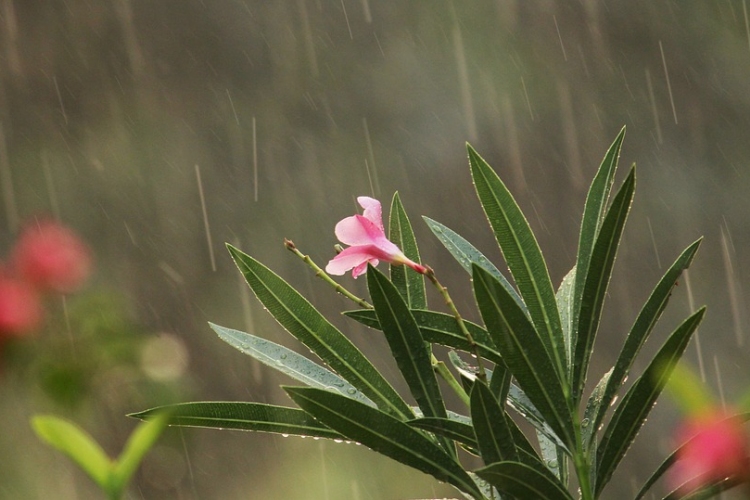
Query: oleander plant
[(528, 360)]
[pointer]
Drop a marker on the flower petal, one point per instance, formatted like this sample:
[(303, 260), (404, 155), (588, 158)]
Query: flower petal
[(347, 259), (362, 268), (373, 211), (358, 230)]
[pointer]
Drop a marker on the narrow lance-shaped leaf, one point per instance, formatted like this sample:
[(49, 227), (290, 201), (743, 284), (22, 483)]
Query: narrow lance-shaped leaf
[(554, 457), (593, 406), (410, 284), (597, 279), (500, 382), (241, 416), (311, 328), (466, 254), (634, 408), (439, 328), (518, 400), (384, 434), (642, 328), (521, 480), (524, 259), (288, 362), (452, 429), (490, 426), (564, 298), (523, 353), (77, 444), (593, 216), (406, 343), (139, 443)]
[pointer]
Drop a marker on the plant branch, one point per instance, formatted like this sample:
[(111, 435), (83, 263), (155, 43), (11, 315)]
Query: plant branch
[(289, 244)]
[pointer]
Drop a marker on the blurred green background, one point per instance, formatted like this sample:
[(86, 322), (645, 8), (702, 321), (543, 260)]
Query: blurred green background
[(113, 113)]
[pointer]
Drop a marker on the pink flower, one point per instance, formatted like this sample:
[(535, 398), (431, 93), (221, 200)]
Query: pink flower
[(51, 257), (366, 236), (20, 308), (715, 449)]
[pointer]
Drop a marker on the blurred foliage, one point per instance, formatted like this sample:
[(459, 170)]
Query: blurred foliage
[(106, 108)]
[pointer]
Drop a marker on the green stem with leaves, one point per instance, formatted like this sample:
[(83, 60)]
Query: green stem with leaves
[(459, 320), (289, 244), (439, 367)]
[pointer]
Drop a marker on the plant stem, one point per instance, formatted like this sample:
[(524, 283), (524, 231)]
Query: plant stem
[(482, 375), (289, 244), (581, 463), (442, 370)]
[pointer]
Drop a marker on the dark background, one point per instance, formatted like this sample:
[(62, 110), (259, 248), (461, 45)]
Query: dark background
[(289, 110)]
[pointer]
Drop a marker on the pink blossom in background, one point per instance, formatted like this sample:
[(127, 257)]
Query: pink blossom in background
[(20, 307), (51, 257), (715, 448), (368, 244)]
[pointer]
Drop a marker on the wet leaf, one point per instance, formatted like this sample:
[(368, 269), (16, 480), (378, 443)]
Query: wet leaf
[(524, 353), (406, 343), (288, 362), (597, 276), (466, 255), (306, 324), (439, 328), (642, 328), (408, 282), (524, 259), (522, 480), (490, 426), (593, 216), (634, 408), (384, 434), (242, 416)]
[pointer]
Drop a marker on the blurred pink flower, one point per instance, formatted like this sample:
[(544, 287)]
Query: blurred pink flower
[(20, 307), (715, 448), (51, 257), (366, 236)]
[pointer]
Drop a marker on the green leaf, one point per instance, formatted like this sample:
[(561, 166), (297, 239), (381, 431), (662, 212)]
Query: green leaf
[(554, 457), (466, 255), (597, 277), (77, 444), (564, 298), (524, 259), (490, 426), (410, 284), (593, 406), (593, 216), (446, 427), (709, 491), (524, 407), (406, 343), (523, 353), (311, 328), (138, 444), (288, 362), (634, 408), (384, 434), (466, 372), (526, 451), (521, 480), (500, 382), (242, 416), (642, 328), (439, 328)]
